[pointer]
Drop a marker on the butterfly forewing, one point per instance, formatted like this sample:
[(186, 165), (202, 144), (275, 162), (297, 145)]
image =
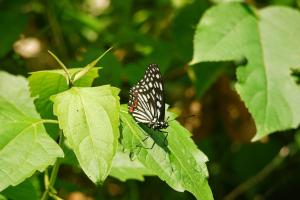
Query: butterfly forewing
[(146, 99)]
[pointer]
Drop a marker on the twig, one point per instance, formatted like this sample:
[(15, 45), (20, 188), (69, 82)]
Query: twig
[(243, 187), (49, 187)]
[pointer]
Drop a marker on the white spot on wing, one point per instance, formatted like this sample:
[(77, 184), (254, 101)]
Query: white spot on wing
[(158, 103), (158, 113)]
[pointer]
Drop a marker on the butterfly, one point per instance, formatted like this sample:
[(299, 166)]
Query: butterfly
[(147, 101)]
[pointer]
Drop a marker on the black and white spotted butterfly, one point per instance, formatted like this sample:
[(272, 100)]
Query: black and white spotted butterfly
[(146, 100)]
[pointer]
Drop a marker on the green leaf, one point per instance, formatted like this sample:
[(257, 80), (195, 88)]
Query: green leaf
[(44, 84), (123, 168), (89, 118), (88, 78), (270, 43), (179, 163), (25, 190), (24, 146)]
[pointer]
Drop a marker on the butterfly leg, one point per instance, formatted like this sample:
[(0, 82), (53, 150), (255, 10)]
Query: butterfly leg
[(147, 147), (145, 138), (165, 139), (133, 155), (141, 146)]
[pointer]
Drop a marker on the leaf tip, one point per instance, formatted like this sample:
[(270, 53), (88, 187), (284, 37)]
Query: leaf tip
[(256, 138), (193, 62)]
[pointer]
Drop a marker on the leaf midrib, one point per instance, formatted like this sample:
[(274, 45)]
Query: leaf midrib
[(16, 108), (22, 131), (183, 167), (89, 130)]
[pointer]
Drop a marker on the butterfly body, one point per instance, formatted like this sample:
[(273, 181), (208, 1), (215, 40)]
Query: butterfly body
[(146, 100)]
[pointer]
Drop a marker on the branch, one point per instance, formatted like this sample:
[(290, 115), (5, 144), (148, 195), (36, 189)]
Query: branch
[(268, 169)]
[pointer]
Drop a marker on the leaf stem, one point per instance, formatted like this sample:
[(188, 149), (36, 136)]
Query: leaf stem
[(88, 67), (70, 81), (49, 187), (50, 121)]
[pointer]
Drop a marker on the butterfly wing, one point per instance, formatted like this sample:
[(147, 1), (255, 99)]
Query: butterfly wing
[(156, 88), (138, 105), (146, 101)]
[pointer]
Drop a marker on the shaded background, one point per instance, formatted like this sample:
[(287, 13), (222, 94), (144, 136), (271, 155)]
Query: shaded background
[(144, 32)]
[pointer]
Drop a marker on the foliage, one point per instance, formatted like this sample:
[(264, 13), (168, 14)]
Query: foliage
[(65, 129), (182, 168), (25, 145), (230, 31)]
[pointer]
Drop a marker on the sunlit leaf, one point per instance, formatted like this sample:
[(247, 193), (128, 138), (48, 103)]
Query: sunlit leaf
[(89, 118), (43, 84), (123, 168), (269, 39), (175, 160), (24, 146)]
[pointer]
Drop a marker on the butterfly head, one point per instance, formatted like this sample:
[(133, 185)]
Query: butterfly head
[(159, 125)]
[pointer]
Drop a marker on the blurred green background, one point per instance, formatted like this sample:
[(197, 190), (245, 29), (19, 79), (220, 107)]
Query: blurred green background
[(144, 32)]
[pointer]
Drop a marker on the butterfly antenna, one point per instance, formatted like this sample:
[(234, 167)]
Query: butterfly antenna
[(183, 117)]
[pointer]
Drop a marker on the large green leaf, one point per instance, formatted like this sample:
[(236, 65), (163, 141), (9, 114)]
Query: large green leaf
[(44, 84), (178, 162), (271, 44), (89, 118), (25, 190), (24, 144), (123, 168)]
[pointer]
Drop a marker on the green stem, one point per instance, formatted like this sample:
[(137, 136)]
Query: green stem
[(54, 26), (50, 121), (267, 170), (70, 81), (55, 197), (50, 185)]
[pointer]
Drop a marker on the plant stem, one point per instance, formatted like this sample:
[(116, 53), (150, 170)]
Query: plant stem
[(53, 176), (57, 33), (70, 81), (50, 121), (243, 187)]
